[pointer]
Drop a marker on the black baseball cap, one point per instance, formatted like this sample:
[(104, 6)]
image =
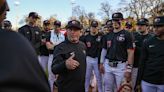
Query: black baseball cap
[(94, 23), (117, 16), (74, 24), (87, 30), (108, 24), (143, 21), (158, 21), (46, 22), (34, 15), (57, 22)]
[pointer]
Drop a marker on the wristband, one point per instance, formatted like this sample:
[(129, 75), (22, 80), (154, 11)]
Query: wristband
[(128, 70), (129, 66)]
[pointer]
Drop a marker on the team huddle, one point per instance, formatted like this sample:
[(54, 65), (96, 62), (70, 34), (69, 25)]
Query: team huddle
[(109, 58)]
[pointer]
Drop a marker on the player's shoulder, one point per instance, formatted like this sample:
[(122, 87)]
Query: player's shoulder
[(151, 38), (8, 34), (125, 31), (62, 45), (14, 37), (23, 27), (82, 45)]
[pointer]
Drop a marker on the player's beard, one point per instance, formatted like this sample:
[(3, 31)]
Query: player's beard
[(73, 40)]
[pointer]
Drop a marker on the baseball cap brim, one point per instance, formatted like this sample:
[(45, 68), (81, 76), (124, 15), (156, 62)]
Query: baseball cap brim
[(37, 17), (94, 26), (108, 26), (73, 26), (117, 19), (141, 23), (34, 15)]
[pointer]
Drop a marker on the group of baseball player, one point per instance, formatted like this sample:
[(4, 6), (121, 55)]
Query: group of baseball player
[(120, 59)]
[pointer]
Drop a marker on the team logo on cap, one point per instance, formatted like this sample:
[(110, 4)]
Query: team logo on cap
[(94, 22), (115, 15), (157, 20), (74, 22), (109, 23), (141, 20)]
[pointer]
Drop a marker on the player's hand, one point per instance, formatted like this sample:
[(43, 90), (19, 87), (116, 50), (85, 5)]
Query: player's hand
[(43, 41), (49, 45), (127, 76), (72, 64), (101, 68)]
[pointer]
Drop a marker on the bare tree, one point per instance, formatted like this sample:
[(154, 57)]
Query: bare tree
[(105, 10), (142, 8), (154, 7), (80, 13), (90, 16)]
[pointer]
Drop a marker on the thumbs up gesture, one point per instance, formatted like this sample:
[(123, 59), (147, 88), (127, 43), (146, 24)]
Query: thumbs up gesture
[(71, 64)]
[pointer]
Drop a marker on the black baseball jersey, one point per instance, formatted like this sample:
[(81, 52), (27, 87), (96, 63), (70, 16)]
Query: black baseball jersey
[(33, 34), (104, 40), (48, 37), (20, 69), (82, 38), (117, 44), (151, 68), (93, 44), (43, 49), (139, 39), (70, 80)]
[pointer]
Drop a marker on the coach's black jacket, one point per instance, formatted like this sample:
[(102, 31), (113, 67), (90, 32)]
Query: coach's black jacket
[(70, 80), (33, 34)]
